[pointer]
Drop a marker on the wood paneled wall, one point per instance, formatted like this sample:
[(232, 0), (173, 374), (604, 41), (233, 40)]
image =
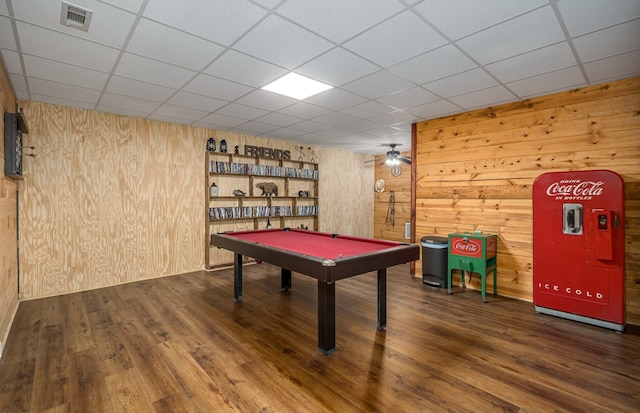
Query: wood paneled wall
[(112, 199), (384, 226), (475, 171), (8, 230)]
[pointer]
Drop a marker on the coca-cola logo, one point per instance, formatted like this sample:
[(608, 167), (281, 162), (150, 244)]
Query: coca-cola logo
[(575, 189), (468, 247)]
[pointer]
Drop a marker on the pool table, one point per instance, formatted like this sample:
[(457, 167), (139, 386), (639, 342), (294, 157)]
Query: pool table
[(323, 256)]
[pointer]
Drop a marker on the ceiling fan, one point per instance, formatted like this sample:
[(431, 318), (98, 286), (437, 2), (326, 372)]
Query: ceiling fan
[(394, 158)]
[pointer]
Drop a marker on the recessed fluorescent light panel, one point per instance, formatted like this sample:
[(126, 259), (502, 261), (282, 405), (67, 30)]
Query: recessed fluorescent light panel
[(296, 86)]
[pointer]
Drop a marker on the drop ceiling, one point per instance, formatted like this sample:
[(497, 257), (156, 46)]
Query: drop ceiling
[(390, 62)]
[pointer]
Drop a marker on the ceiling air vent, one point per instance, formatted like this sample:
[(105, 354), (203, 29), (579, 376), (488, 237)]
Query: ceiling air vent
[(75, 16)]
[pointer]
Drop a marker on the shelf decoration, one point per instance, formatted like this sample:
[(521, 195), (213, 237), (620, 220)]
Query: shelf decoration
[(268, 188)]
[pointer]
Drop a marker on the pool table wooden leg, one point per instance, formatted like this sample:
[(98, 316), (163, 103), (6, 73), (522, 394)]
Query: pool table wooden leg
[(326, 316), (382, 299), (285, 279), (237, 277)]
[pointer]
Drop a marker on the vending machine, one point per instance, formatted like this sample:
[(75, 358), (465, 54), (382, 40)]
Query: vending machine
[(578, 247)]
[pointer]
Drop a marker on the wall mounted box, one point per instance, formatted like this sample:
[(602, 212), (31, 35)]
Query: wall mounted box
[(14, 127)]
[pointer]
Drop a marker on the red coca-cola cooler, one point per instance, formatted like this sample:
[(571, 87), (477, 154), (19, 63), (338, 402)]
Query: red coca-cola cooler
[(578, 247)]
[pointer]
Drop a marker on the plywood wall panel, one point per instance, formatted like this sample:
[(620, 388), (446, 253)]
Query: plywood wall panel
[(475, 170), (112, 199), (346, 193), (8, 223)]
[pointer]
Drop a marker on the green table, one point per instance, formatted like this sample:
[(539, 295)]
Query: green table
[(473, 253)]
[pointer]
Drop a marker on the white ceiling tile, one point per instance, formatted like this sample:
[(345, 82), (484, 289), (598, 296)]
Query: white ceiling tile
[(241, 111), (178, 112), (7, 39), (37, 41), (482, 98), (194, 101), (169, 45), (308, 126), (109, 25), (461, 83), (304, 110), (130, 87), (64, 73), (221, 21), (244, 69), (609, 42), (383, 131), (284, 133), (547, 59), (616, 67), (459, 18), (408, 98), (431, 65), (379, 84), (278, 119), (360, 125), (282, 42), (339, 20), (152, 71), (514, 37), (434, 109), (255, 128), (584, 16), (215, 87), (368, 109), (75, 93), (216, 120), (335, 99), (11, 61), (568, 78), (3, 8), (57, 100), (266, 100), (127, 102), (394, 118), (396, 40), (269, 4), (131, 5), (337, 67), (335, 119), (19, 86)]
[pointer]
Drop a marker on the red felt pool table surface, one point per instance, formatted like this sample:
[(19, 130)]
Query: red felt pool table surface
[(317, 244)]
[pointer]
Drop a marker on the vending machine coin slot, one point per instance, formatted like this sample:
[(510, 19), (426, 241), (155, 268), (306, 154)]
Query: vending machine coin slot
[(572, 219)]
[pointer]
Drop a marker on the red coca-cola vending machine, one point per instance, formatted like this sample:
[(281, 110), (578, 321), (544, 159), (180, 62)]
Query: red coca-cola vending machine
[(578, 247)]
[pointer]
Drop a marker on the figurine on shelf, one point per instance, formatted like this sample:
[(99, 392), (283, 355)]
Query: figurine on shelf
[(223, 146), (268, 188), (211, 145), (213, 190), (236, 150), (238, 192)]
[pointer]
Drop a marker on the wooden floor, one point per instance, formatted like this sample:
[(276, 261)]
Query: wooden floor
[(182, 344)]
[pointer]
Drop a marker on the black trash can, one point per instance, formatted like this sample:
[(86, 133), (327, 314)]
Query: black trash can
[(434, 261)]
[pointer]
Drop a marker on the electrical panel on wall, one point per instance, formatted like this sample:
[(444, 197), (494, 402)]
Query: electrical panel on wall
[(14, 127)]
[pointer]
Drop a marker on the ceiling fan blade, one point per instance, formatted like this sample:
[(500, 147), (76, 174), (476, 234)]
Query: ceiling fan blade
[(404, 159)]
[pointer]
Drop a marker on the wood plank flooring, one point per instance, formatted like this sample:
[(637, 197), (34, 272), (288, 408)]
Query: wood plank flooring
[(182, 344)]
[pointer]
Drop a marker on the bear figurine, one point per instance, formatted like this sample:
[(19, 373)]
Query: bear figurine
[(268, 188)]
